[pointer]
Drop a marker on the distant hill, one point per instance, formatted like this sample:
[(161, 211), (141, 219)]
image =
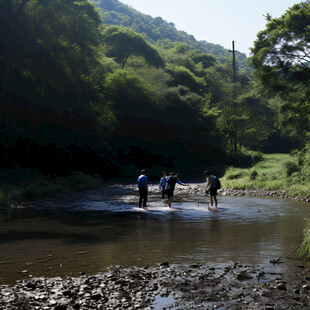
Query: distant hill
[(156, 30)]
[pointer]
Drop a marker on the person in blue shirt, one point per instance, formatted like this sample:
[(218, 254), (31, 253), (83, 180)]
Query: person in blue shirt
[(211, 188), (143, 188), (162, 185), (171, 182)]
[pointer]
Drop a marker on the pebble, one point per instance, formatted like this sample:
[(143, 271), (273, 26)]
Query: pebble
[(183, 286), (195, 189)]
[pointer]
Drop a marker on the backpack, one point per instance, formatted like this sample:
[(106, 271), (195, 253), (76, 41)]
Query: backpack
[(217, 182), (171, 180)]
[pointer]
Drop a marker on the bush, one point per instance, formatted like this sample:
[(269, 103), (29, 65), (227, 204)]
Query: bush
[(290, 167), (246, 158), (253, 174), (233, 175)]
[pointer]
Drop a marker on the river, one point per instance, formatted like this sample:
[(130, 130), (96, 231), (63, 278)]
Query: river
[(90, 231)]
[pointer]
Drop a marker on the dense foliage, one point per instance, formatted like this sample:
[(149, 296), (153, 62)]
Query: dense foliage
[(281, 61), (48, 52), (79, 94)]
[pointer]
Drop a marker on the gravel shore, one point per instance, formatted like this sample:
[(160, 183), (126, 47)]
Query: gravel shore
[(168, 286), (199, 189)]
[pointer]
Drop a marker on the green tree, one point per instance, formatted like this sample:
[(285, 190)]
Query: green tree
[(281, 52), (122, 43), (281, 60)]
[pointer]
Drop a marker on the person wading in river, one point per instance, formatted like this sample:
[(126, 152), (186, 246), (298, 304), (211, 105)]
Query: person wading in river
[(162, 185), (171, 181), (143, 188), (211, 188)]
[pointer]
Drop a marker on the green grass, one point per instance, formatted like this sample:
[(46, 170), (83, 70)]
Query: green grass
[(273, 172), (18, 185)]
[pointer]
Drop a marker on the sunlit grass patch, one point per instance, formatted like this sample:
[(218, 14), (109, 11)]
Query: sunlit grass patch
[(271, 162), (274, 172)]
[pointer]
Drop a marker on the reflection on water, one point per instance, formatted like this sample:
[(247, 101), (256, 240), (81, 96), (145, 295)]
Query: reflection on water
[(60, 240)]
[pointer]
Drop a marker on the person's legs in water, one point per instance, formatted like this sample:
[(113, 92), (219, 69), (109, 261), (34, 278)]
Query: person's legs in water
[(213, 197), (215, 201), (169, 201), (170, 196), (163, 194), (142, 197), (145, 199), (213, 193)]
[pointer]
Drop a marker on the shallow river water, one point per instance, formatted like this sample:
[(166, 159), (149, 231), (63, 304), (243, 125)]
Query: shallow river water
[(88, 232)]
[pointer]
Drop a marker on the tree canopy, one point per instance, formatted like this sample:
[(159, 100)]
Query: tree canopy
[(281, 60), (281, 52), (122, 43), (112, 92)]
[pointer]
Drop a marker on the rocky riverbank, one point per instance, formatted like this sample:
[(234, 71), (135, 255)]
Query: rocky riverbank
[(261, 193), (165, 287), (199, 190), (118, 194)]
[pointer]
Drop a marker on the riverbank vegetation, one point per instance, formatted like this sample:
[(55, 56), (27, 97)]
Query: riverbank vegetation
[(83, 91), (20, 185), (273, 172)]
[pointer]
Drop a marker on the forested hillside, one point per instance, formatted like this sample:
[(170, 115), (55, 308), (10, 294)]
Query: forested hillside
[(80, 94), (158, 31)]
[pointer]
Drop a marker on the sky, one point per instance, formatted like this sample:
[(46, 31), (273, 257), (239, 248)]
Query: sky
[(216, 21)]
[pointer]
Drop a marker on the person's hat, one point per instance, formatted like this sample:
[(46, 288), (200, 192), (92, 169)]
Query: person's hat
[(143, 171)]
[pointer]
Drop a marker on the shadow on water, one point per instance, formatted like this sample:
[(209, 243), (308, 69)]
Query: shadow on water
[(89, 232)]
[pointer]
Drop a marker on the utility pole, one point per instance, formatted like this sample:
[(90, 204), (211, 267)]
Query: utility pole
[(234, 59), (235, 95)]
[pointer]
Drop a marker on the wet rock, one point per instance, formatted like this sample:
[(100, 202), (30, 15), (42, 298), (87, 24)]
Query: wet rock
[(24, 271), (164, 264), (181, 286), (60, 307), (276, 261), (31, 284), (96, 296), (281, 286), (242, 276)]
